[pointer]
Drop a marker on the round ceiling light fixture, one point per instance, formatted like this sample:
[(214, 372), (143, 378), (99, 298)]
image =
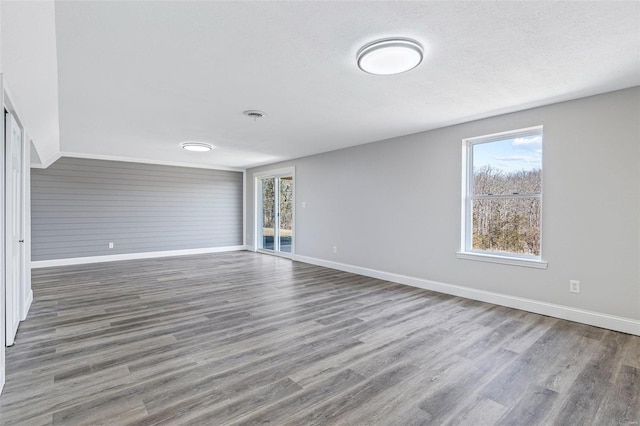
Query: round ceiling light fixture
[(196, 146), (390, 56)]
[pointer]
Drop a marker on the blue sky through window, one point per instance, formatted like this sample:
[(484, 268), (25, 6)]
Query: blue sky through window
[(510, 155)]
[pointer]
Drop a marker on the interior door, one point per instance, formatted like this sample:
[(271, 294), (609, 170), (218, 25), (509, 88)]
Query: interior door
[(13, 226)]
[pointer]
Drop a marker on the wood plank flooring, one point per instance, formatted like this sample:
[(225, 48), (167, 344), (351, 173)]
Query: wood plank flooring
[(244, 338)]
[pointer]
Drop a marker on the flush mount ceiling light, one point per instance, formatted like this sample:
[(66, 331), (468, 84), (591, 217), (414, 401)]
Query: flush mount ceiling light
[(390, 56), (196, 146)]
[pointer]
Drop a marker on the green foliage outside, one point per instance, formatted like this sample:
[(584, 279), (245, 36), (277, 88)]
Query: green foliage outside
[(286, 204), (507, 224)]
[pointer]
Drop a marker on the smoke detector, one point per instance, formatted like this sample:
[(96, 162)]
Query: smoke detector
[(255, 114)]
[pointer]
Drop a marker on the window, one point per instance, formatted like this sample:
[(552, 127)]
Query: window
[(502, 198)]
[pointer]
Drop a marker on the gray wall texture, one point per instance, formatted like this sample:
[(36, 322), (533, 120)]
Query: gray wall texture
[(78, 206), (395, 205)]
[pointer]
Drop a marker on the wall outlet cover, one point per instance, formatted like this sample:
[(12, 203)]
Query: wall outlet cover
[(574, 286)]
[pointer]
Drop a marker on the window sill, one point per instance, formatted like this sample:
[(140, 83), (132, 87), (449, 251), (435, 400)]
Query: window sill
[(504, 260)]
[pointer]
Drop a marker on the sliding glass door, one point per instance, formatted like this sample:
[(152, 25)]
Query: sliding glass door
[(275, 213)]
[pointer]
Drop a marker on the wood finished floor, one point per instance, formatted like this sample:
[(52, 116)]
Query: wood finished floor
[(244, 338)]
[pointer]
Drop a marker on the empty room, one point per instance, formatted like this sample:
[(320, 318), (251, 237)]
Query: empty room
[(320, 213)]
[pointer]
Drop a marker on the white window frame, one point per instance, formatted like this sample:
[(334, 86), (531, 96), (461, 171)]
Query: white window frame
[(466, 248)]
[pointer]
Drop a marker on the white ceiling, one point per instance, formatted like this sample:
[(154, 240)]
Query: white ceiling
[(137, 78), (28, 34)]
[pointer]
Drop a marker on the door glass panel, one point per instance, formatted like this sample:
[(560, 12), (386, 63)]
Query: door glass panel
[(268, 213), (286, 213)]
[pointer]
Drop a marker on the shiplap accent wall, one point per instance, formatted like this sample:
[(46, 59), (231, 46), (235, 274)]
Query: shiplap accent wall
[(80, 205)]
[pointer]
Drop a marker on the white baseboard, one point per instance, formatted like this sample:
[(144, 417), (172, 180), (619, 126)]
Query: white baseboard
[(612, 322), (129, 256), (27, 306)]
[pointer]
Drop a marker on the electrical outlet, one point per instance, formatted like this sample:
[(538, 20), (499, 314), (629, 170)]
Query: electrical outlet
[(303, 204), (110, 245), (574, 286), (335, 249)]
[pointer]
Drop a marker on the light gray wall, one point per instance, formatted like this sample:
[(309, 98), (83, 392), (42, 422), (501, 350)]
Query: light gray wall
[(395, 205), (79, 206)]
